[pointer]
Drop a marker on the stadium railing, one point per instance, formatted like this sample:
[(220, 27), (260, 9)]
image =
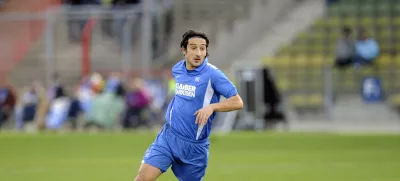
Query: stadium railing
[(119, 40)]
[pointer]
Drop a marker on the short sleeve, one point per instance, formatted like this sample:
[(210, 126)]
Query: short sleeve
[(222, 85)]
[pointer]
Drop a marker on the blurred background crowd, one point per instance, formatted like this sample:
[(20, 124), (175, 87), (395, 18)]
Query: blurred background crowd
[(96, 103), (105, 64)]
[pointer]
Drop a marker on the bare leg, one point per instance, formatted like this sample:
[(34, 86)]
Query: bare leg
[(148, 173)]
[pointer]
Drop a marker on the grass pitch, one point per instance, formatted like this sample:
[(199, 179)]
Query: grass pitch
[(237, 157)]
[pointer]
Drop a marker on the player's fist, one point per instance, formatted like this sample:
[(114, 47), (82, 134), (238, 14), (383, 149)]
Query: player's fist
[(203, 114)]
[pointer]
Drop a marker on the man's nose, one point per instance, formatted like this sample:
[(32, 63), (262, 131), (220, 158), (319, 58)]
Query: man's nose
[(198, 52)]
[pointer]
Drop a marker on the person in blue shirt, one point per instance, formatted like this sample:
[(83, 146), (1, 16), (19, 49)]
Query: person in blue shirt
[(183, 142), (367, 49)]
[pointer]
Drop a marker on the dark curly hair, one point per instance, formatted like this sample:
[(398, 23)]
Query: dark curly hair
[(193, 34)]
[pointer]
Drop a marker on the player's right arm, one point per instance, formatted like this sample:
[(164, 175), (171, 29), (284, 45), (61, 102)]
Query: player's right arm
[(223, 86)]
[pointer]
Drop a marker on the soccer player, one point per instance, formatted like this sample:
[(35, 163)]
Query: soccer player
[(183, 142)]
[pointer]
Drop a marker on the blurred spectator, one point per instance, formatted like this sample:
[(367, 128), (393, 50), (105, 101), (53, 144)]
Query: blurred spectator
[(97, 83), (54, 85), (88, 88), (7, 103), (367, 49), (27, 108), (74, 111), (42, 106), (345, 49), (158, 96), (106, 108), (137, 102), (58, 110)]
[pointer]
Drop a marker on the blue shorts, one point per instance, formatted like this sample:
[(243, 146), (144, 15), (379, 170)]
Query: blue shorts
[(188, 158)]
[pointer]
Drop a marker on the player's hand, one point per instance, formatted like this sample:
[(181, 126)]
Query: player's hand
[(203, 114)]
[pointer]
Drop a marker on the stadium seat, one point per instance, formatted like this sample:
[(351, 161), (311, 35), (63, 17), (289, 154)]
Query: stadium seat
[(394, 100), (268, 61), (319, 24), (334, 36), (383, 35), (397, 60), (397, 47), (383, 21), (301, 61), (350, 21), (396, 21), (367, 22), (302, 36), (333, 21), (283, 62), (322, 60), (283, 83), (306, 100), (385, 60)]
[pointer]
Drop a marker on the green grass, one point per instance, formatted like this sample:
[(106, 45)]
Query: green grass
[(239, 156)]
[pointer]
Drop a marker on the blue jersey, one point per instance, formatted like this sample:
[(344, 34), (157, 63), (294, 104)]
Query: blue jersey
[(194, 90)]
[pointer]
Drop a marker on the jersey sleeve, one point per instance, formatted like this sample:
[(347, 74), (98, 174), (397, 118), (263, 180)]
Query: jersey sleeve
[(222, 85)]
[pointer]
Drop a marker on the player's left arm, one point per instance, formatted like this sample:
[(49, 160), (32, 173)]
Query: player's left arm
[(231, 104), (223, 86)]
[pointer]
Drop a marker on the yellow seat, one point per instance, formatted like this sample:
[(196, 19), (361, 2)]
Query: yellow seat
[(318, 47), (350, 21), (302, 36), (298, 100), (385, 47), (316, 99), (397, 60), (301, 61), (317, 61), (384, 34), (334, 36), (319, 23), (367, 22), (306, 100), (333, 22), (282, 83), (396, 21), (385, 60), (383, 21), (283, 61), (322, 61), (317, 36), (284, 49), (268, 61), (394, 100), (368, 70)]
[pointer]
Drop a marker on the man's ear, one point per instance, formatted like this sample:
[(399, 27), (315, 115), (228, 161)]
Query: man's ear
[(183, 50)]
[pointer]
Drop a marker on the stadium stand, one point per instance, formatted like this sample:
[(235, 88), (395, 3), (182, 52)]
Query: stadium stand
[(222, 20), (18, 36), (300, 65)]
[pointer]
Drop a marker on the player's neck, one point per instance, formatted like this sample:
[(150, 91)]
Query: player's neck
[(188, 66)]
